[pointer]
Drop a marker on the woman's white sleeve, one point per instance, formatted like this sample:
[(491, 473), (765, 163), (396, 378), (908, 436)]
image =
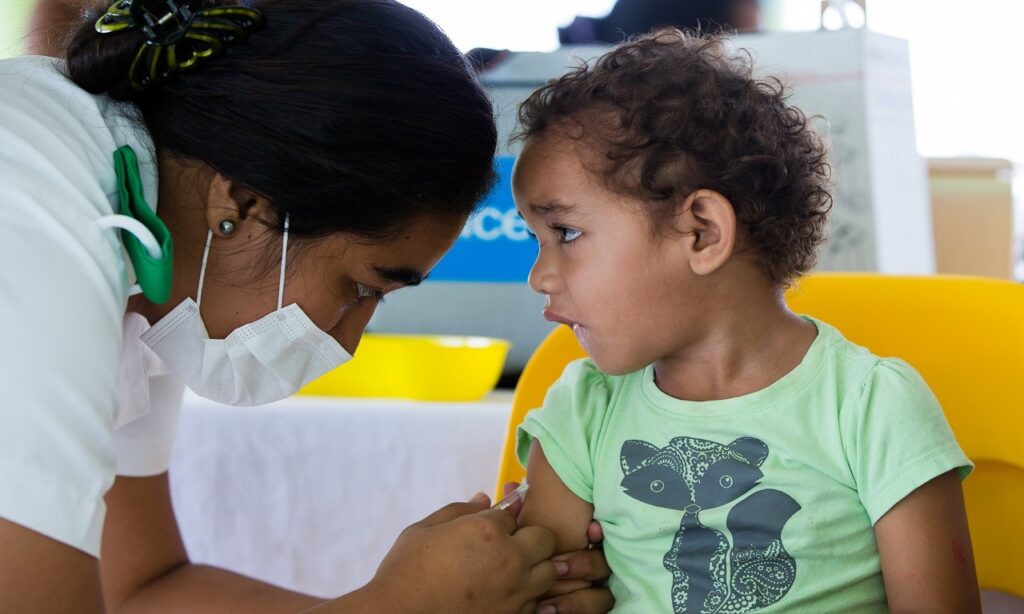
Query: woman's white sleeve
[(60, 339), (144, 444)]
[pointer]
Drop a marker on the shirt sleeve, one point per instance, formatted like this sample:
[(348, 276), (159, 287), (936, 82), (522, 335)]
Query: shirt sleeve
[(60, 326), (149, 398), (897, 437), (144, 445), (566, 426)]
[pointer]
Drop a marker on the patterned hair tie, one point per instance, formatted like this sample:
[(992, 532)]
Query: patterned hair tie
[(177, 38)]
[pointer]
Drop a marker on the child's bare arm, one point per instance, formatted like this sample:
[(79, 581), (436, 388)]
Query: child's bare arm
[(550, 504), (925, 550)]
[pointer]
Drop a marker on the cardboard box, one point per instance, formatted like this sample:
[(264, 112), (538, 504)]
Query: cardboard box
[(972, 215)]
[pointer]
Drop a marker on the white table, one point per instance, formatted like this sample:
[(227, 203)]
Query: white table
[(310, 493)]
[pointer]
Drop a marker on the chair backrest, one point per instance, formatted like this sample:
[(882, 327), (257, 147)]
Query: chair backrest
[(964, 335)]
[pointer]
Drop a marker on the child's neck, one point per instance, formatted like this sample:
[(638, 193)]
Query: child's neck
[(747, 347)]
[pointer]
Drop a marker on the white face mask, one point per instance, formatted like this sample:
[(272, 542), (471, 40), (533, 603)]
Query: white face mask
[(261, 362)]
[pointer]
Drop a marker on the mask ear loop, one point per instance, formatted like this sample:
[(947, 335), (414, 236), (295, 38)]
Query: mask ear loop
[(202, 268), (284, 262)]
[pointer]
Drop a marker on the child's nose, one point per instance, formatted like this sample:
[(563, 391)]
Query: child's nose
[(544, 277)]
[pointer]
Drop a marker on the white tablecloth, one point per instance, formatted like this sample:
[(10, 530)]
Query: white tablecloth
[(310, 493)]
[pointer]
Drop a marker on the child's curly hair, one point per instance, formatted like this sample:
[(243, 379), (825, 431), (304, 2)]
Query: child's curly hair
[(676, 112)]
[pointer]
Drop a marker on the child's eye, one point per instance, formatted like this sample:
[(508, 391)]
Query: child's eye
[(568, 235), (365, 292), (533, 235)]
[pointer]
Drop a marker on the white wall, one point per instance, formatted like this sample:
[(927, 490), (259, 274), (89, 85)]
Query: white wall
[(967, 56)]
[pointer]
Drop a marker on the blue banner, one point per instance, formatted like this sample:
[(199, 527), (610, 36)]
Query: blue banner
[(495, 245)]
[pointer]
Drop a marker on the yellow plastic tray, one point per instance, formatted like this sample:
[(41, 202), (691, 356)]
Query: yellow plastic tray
[(421, 367)]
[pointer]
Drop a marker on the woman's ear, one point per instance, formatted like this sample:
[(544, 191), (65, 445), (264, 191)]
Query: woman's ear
[(230, 206), (710, 220)]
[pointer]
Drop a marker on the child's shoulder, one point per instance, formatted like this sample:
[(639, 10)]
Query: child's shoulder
[(585, 376), (859, 372), (584, 389)]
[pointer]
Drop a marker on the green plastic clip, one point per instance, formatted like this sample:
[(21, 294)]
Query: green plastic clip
[(154, 274)]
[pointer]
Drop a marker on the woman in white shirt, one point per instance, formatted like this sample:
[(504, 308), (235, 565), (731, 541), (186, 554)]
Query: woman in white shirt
[(312, 156)]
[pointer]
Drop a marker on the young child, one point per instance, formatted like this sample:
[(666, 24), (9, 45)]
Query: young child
[(738, 456)]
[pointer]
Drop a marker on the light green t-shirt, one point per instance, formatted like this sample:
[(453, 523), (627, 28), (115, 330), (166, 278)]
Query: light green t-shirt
[(763, 502)]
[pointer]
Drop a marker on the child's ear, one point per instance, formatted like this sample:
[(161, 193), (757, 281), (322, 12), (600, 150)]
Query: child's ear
[(710, 221)]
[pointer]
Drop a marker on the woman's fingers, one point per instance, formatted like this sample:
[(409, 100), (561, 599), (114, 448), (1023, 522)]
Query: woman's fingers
[(537, 544), (587, 601), (452, 511), (589, 565), (540, 579), (506, 522), (466, 559), (562, 587)]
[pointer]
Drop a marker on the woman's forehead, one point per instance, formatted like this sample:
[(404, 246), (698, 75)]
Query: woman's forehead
[(406, 257)]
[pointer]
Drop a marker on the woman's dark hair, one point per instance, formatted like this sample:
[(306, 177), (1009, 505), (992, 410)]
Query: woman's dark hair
[(349, 115), (671, 113)]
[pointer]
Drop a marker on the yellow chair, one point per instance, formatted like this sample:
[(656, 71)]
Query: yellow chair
[(964, 335)]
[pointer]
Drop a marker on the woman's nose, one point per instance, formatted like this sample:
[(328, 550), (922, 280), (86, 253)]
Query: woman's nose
[(350, 328)]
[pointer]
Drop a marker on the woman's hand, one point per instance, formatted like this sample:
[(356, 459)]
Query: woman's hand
[(580, 575), (466, 558)]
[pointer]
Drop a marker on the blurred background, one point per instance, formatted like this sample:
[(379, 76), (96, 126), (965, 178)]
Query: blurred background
[(919, 98), (965, 55)]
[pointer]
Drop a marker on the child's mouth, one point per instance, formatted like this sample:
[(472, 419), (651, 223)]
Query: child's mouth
[(582, 335), (551, 316)]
